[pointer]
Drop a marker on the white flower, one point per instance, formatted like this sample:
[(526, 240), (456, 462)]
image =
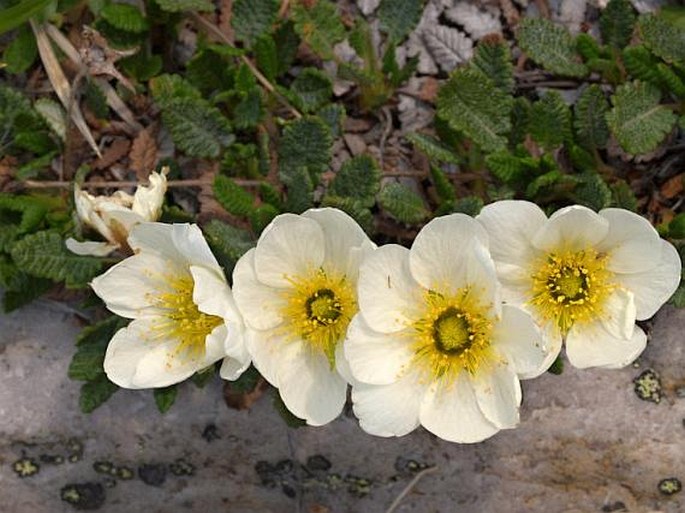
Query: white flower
[(184, 317), (585, 276), (114, 216), (296, 291), (432, 344)]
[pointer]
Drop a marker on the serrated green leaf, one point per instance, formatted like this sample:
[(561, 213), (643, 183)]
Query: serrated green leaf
[(252, 18), (551, 46), (185, 5), (266, 56), (305, 144), (16, 116), (249, 112), (676, 227), (232, 196), (165, 398), (493, 58), (642, 64), (637, 120), (443, 185), (117, 38), (125, 17), (617, 23), (520, 120), (95, 393), (359, 179), (588, 47), (208, 71), (399, 17), (473, 105), (287, 43), (31, 210), (470, 205), (228, 243), (262, 216), (333, 115), (673, 82), (311, 89), (678, 297), (433, 148), (319, 25), (300, 190), (21, 53), (44, 254), (592, 191), (91, 345), (167, 87), (21, 288), (196, 127), (542, 182), (664, 38), (590, 118), (403, 203), (12, 17), (95, 100), (142, 66), (353, 208), (623, 196), (550, 121)]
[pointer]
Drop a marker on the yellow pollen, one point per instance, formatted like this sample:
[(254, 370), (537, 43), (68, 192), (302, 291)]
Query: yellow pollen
[(453, 335), (181, 320), (571, 287), (318, 308)]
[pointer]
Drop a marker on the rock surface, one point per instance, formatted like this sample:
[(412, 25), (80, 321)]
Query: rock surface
[(586, 444)]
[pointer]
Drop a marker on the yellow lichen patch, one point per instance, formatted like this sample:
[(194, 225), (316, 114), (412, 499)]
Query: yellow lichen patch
[(318, 309), (453, 335), (571, 287), (181, 320)]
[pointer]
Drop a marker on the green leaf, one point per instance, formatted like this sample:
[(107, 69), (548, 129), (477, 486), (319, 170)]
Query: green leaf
[(185, 5), (19, 13), (247, 381), (664, 38), (142, 66), (32, 210), (637, 120), (473, 105), (94, 99), (399, 17), (165, 88), (91, 345), (676, 228), (202, 377), (333, 115), (551, 46), (403, 203), (623, 196), (557, 367), (617, 22), (249, 112), (228, 243), (588, 47), (592, 191), (470, 205), (319, 25), (232, 196), (20, 288), (550, 121), (165, 397), (642, 64), (305, 144), (433, 148), (196, 127), (493, 58), (252, 18), (95, 393), (266, 56), (354, 208), (673, 82), (262, 216), (590, 118), (542, 182), (311, 89), (358, 178), (287, 43), (443, 185), (125, 17), (44, 254), (21, 53), (300, 190), (678, 298), (520, 120), (270, 195)]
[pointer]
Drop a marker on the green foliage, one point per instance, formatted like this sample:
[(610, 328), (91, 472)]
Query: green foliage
[(399, 17), (185, 5), (333, 115), (354, 208), (228, 243), (358, 179), (232, 196), (21, 53), (617, 23), (592, 191), (318, 24), (589, 121), (165, 398), (551, 46), (18, 119), (640, 63), (443, 186), (676, 227), (637, 120), (249, 112), (94, 99), (473, 105), (19, 13), (30, 209), (623, 196), (252, 18), (493, 58), (165, 88), (403, 203), (125, 17), (262, 216), (673, 82), (266, 56), (142, 66), (44, 255), (550, 124), (311, 89), (470, 205), (95, 393), (91, 345), (433, 148), (664, 38), (19, 288), (287, 42)]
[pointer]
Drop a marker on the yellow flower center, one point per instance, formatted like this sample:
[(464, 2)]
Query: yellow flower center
[(453, 335), (182, 320), (318, 309), (571, 287)]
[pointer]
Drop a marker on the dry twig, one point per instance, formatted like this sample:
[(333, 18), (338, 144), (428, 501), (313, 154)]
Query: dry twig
[(409, 487)]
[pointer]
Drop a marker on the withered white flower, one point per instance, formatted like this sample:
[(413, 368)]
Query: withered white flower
[(585, 276), (432, 344), (297, 293), (184, 317), (114, 216)]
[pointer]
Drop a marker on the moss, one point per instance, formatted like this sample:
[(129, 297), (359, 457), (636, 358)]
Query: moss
[(648, 386), (26, 467), (670, 486)]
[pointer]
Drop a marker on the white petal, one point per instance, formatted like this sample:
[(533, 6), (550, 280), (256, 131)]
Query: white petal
[(290, 246), (440, 250), (193, 247), (388, 295), (498, 393), (342, 365), (511, 226), (389, 410), (654, 287), (377, 358), (260, 305), (310, 389), (154, 238), (147, 201), (571, 228), (618, 316), (452, 413), (593, 346), (520, 340), (211, 293), (341, 234), (632, 242), (89, 248), (238, 359), (119, 220), (269, 349)]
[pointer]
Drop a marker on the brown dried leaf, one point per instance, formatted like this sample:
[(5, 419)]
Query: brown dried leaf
[(118, 149), (100, 58), (143, 155), (244, 400), (673, 186), (429, 89)]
